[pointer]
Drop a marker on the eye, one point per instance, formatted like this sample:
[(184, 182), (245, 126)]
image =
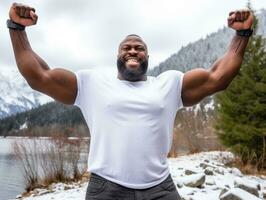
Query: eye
[(140, 48), (125, 48)]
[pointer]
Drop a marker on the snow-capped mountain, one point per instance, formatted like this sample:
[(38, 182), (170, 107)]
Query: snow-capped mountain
[(16, 96)]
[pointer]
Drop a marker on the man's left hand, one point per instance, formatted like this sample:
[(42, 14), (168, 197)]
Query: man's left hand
[(240, 19)]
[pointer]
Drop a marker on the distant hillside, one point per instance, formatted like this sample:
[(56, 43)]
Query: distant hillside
[(47, 115), (204, 52)]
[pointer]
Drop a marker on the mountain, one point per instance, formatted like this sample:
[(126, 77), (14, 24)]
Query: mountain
[(16, 96), (204, 52), (45, 120)]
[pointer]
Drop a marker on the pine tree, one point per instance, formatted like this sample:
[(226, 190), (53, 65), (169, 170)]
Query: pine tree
[(241, 123)]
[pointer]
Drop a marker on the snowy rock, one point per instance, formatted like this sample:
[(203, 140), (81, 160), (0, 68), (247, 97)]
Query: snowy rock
[(19, 196), (248, 186), (264, 194), (210, 182), (189, 172), (203, 165), (223, 192), (194, 180), (208, 171), (219, 170), (238, 194), (236, 172)]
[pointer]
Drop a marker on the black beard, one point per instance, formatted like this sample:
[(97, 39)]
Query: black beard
[(134, 74)]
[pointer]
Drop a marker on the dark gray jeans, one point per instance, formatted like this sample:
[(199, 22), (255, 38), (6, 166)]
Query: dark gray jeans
[(101, 189)]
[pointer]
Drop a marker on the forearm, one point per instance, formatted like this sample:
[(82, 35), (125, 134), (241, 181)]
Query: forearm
[(226, 68), (29, 64)]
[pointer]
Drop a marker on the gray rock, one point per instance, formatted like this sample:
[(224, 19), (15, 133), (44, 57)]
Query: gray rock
[(203, 165), (224, 190), (189, 172), (238, 194), (194, 180), (179, 184), (208, 171), (264, 194), (248, 186), (19, 196), (219, 170)]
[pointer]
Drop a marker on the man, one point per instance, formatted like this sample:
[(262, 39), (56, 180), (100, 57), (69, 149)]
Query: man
[(130, 114)]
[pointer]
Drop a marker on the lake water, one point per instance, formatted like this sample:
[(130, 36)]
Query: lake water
[(11, 179)]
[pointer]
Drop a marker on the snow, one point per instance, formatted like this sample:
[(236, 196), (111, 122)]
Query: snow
[(16, 94), (222, 178), (241, 193), (23, 126)]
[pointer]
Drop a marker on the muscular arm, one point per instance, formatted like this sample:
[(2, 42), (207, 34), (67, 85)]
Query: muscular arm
[(60, 84), (199, 83)]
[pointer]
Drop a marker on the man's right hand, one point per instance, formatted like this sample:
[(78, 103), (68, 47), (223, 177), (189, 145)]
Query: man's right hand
[(23, 14)]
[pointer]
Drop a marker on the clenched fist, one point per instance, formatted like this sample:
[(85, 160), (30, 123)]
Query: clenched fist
[(23, 14), (240, 19)]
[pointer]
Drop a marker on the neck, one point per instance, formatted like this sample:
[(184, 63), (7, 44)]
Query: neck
[(142, 78)]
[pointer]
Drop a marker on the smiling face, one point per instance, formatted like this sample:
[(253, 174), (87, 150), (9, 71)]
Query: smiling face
[(132, 59)]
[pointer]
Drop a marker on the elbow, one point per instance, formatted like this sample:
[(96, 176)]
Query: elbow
[(33, 85)]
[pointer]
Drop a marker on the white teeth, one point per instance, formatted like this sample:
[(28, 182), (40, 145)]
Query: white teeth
[(132, 60)]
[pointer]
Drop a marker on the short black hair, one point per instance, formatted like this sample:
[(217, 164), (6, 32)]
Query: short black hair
[(133, 35)]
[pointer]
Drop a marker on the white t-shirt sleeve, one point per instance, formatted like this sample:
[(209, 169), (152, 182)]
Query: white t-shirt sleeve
[(176, 85), (83, 83)]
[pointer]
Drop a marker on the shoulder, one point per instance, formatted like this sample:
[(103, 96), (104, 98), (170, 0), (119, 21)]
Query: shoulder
[(84, 73), (99, 73), (169, 74)]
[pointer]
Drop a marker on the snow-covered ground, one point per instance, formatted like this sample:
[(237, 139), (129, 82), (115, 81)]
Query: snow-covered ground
[(197, 177)]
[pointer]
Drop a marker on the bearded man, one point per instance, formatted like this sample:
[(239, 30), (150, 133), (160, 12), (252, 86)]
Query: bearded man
[(130, 115)]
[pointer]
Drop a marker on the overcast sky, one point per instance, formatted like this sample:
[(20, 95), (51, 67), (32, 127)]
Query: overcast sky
[(76, 34)]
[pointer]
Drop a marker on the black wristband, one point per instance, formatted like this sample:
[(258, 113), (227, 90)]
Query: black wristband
[(14, 26), (244, 32)]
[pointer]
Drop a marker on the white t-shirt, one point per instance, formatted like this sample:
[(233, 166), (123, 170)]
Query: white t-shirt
[(131, 124)]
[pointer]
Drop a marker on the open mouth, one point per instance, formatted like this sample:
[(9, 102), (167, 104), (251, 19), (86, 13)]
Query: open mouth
[(132, 61)]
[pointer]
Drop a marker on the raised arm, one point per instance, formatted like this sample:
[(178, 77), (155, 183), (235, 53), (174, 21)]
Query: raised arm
[(58, 83), (199, 83)]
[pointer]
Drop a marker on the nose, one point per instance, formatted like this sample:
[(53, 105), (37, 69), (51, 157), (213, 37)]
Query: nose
[(132, 51)]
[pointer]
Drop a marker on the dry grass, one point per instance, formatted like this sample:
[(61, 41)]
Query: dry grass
[(248, 168), (43, 162)]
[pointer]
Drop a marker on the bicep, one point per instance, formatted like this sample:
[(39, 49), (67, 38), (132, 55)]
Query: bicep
[(197, 84), (59, 84)]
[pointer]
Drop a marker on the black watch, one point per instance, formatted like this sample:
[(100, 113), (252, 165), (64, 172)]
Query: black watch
[(244, 32), (14, 26)]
